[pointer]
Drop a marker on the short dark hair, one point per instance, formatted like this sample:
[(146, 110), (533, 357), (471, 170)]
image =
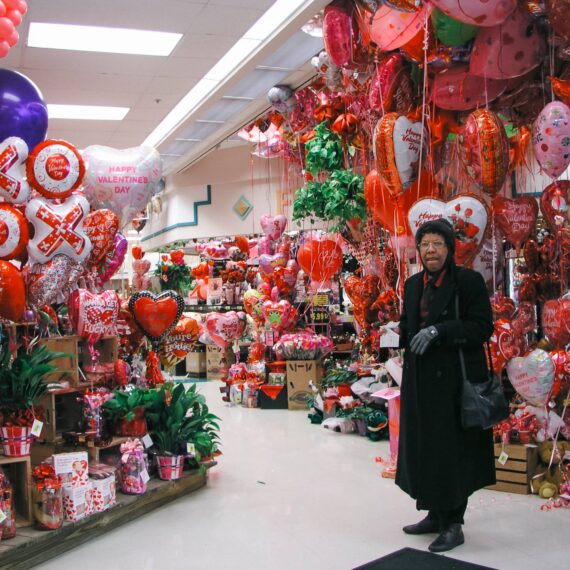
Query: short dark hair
[(441, 227)]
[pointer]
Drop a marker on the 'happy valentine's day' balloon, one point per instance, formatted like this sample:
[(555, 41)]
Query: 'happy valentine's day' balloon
[(516, 218), (532, 376), (13, 184), (224, 328)]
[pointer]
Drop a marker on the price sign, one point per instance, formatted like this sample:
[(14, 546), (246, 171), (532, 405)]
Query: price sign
[(320, 300), (321, 315)]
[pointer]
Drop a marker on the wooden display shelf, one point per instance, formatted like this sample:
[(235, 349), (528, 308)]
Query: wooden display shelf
[(94, 451), (61, 413), (516, 474), (20, 475), (31, 547)]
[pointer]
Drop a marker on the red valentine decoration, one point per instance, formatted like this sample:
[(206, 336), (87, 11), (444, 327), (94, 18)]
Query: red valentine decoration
[(278, 315), (561, 360), (13, 185), (345, 124), (505, 344), (156, 315), (94, 315), (516, 218), (55, 169), (12, 292), (555, 319), (362, 292), (391, 86), (137, 252), (101, 227), (554, 204), (178, 342), (13, 232), (320, 259), (503, 307)]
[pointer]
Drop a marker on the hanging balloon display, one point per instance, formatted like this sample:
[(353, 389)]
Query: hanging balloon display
[(554, 205), (93, 315), (46, 282), (391, 87), (13, 184), (485, 13), (156, 315), (532, 376), (320, 259), (55, 169), (12, 292), (13, 232), (516, 218), (101, 227), (391, 29)]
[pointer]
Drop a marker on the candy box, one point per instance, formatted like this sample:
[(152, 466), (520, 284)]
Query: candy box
[(77, 502), (72, 467), (104, 493)]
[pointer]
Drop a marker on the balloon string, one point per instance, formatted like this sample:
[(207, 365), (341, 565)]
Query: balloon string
[(494, 242), (424, 89)]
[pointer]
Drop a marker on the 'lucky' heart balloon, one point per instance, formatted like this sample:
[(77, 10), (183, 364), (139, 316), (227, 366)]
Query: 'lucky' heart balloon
[(179, 342), (532, 376), (156, 315), (551, 138), (101, 227), (273, 226), (268, 263), (13, 232), (554, 204), (555, 321), (58, 229), (483, 149), (94, 315), (121, 180), (224, 328), (397, 148), (13, 184), (467, 213), (12, 292), (516, 218)]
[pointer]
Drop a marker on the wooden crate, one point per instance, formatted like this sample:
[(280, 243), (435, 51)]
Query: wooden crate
[(96, 453), (19, 472), (107, 347), (61, 413), (67, 367), (516, 474)]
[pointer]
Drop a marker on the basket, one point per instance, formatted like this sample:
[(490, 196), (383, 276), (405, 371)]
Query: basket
[(170, 466), (16, 441)]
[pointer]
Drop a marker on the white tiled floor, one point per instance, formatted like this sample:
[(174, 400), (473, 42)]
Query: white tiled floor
[(288, 495)]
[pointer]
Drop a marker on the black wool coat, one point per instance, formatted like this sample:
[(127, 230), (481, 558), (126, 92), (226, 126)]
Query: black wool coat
[(439, 463)]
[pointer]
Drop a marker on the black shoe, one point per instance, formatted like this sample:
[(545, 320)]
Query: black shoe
[(448, 539), (425, 526)]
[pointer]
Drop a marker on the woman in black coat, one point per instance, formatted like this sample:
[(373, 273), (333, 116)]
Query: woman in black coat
[(439, 463)]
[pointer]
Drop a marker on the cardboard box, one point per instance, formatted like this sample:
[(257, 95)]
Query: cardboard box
[(272, 397), (299, 374), (67, 366), (196, 363), (515, 475), (72, 467), (218, 362)]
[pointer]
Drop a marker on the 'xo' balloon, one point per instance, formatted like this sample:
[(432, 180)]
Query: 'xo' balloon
[(13, 232), (13, 184)]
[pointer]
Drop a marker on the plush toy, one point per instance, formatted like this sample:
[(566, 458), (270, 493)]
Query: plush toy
[(548, 480), (376, 426)]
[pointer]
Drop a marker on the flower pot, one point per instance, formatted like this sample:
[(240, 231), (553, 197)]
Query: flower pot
[(133, 428), (170, 466), (16, 441)]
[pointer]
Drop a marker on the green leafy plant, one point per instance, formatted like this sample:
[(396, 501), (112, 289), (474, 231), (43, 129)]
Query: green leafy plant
[(124, 404), (177, 416), (324, 151), (22, 383), (337, 376)]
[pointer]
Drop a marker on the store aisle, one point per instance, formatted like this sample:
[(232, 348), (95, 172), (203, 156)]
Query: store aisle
[(288, 495)]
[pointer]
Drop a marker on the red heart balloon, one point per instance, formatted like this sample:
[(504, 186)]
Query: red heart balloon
[(554, 203), (156, 315), (101, 227), (503, 307), (224, 328), (362, 292), (555, 314), (505, 344), (516, 218), (94, 314), (561, 360), (320, 259), (13, 232), (12, 292)]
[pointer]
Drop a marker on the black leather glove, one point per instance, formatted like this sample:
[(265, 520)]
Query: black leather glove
[(423, 339)]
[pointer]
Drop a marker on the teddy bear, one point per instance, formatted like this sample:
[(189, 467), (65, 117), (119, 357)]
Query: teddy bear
[(548, 480)]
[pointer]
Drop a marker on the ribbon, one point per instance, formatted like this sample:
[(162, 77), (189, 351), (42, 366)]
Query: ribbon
[(131, 447), (153, 373)]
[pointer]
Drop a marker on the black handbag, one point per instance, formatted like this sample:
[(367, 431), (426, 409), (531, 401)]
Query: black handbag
[(483, 404)]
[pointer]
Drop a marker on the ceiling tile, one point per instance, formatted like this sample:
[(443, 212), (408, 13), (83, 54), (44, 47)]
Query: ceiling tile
[(231, 21)]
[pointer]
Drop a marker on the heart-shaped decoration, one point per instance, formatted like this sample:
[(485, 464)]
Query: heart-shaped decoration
[(503, 307), (252, 301), (555, 321), (141, 266), (224, 328), (12, 292), (391, 87), (320, 259), (484, 150), (268, 263), (532, 376), (94, 314), (265, 245), (112, 260), (362, 292), (79, 466), (551, 138), (554, 204), (13, 232), (179, 341), (156, 315), (121, 180), (273, 226), (505, 344), (467, 213), (397, 148), (13, 185), (516, 218), (277, 315), (101, 226)]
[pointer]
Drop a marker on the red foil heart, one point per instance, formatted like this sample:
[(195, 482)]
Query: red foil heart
[(156, 315)]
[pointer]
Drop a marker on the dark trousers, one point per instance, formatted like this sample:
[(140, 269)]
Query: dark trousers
[(446, 518)]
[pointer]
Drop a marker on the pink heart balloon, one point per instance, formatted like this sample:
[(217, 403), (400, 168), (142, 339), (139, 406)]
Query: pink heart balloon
[(121, 180), (273, 226), (267, 263), (224, 328), (94, 315), (532, 376), (113, 260), (277, 314)]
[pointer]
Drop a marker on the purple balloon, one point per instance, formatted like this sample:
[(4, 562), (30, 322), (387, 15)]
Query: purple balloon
[(23, 112), (113, 259)]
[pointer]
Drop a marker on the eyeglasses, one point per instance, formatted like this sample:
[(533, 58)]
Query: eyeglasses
[(425, 245)]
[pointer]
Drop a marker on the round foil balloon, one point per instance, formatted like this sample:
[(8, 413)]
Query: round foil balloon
[(121, 180), (13, 184), (23, 112), (12, 292), (391, 29), (554, 204), (55, 169), (397, 147), (484, 13), (391, 87), (156, 315), (58, 229), (532, 376), (551, 138), (13, 232), (510, 50), (282, 98), (484, 151)]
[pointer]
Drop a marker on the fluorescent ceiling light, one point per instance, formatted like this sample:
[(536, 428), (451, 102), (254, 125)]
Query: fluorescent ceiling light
[(106, 40), (269, 23), (87, 112)]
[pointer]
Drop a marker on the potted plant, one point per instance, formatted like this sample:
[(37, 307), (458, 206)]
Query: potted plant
[(178, 417), (340, 378), (21, 388), (126, 411)]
